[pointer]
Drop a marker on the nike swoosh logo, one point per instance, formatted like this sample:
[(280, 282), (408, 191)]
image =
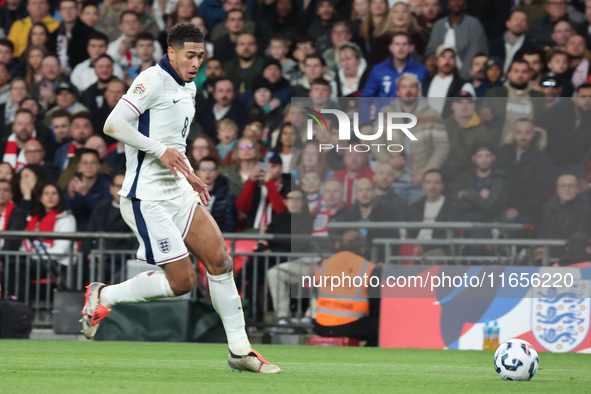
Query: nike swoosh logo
[(175, 101)]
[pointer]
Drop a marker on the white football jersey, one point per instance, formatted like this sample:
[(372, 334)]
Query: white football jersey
[(166, 106)]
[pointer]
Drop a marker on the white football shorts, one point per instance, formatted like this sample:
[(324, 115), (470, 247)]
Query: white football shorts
[(161, 226)]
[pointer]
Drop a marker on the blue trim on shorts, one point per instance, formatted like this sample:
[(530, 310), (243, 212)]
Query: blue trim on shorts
[(142, 229), (144, 128)]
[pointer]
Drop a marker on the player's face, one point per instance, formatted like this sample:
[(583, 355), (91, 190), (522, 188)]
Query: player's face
[(187, 60)]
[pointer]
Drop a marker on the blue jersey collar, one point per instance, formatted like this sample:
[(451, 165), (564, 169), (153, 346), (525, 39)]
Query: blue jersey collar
[(164, 63)]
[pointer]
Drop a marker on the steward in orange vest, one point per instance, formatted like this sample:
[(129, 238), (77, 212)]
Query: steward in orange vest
[(348, 298)]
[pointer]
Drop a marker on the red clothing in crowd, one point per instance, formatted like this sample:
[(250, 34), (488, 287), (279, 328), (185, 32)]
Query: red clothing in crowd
[(349, 183)]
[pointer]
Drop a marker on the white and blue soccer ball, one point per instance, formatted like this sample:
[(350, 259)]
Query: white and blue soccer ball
[(516, 359)]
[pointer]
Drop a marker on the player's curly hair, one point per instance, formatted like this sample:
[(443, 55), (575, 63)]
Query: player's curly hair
[(184, 32)]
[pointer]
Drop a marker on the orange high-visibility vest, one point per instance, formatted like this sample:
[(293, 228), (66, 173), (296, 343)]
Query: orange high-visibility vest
[(344, 304)]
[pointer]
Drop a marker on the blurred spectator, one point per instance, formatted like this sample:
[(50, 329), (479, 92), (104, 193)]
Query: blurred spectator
[(562, 32), (280, 87), (304, 46), (71, 37), (184, 11), (312, 160), (500, 114), (35, 154), (60, 127), (367, 210), (33, 57), (6, 172), (39, 35), (264, 106), (93, 96), (11, 11), (142, 9), (66, 99), (357, 318), (557, 63), (11, 216), (374, 23), (257, 204), (224, 107), (199, 22), (41, 132), (311, 185), (225, 46), (481, 192), (430, 12), (201, 147), (115, 90), (385, 194), (284, 22), (278, 49), (578, 65), (513, 41), (116, 157), (566, 124), (19, 31), (446, 83), (491, 13), (227, 133), (398, 20), (529, 174), (23, 130), (583, 28), (432, 207), (352, 71), (14, 64), (478, 74), (533, 8), (321, 26), (535, 58), (341, 33), (95, 143), (541, 29), (144, 47), (4, 87), (122, 50), (552, 88), (356, 168), (429, 151), (88, 188), (32, 180), (80, 131), (106, 217), (464, 129), (17, 92), (332, 206), (213, 72), (110, 17), (285, 147), (246, 68), (244, 161), (564, 215), (462, 31), (577, 250), (84, 74), (90, 14), (52, 215), (314, 68), (222, 205), (383, 76), (45, 90)]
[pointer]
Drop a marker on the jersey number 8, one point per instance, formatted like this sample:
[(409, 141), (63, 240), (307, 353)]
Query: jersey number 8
[(184, 132)]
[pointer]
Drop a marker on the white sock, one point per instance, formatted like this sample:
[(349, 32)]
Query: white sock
[(227, 303), (149, 285)]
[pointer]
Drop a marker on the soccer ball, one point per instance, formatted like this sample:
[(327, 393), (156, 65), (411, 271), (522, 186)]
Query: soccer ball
[(516, 359)]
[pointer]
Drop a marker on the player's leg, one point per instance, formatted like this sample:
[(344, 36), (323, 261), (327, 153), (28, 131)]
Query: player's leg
[(161, 243), (204, 239)]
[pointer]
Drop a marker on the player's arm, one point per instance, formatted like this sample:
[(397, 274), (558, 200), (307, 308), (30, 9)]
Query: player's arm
[(140, 97)]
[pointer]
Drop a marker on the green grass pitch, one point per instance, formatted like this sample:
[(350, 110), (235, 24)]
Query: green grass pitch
[(170, 368)]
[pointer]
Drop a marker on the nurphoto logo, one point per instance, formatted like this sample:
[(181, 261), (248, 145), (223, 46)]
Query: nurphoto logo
[(345, 129)]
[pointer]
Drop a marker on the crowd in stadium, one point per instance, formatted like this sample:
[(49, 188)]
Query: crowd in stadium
[(510, 143)]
